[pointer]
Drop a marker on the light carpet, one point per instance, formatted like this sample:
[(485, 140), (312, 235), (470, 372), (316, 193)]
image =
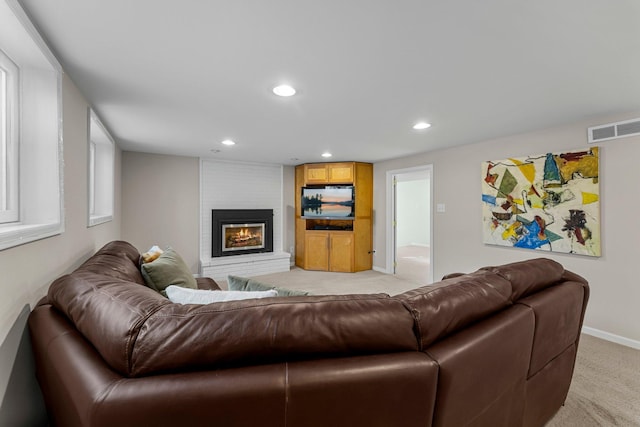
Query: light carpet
[(324, 283), (605, 390)]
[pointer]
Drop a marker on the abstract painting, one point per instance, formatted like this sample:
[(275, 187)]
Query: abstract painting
[(548, 202)]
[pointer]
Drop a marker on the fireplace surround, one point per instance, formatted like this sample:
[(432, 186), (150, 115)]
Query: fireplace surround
[(236, 185), (241, 231)]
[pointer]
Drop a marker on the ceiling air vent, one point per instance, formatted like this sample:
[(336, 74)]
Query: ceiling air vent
[(614, 130)]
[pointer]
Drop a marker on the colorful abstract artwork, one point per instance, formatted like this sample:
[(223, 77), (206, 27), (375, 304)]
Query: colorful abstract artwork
[(549, 202)]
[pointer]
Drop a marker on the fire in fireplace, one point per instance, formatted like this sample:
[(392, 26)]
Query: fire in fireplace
[(239, 237), (241, 231)]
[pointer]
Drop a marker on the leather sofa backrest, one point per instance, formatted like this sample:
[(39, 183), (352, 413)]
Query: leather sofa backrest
[(559, 311), (138, 331), (270, 330), (459, 300), (117, 259), (107, 311), (482, 371), (528, 277), (445, 307)]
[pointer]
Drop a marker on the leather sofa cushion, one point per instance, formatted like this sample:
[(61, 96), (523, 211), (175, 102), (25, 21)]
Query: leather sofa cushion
[(529, 276), (448, 306)]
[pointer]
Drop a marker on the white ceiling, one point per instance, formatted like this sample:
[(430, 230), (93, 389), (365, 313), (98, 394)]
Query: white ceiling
[(178, 77)]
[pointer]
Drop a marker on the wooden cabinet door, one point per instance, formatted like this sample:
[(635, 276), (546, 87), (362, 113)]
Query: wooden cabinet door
[(341, 173), (316, 250), (341, 252), (363, 245), (329, 173), (300, 242), (316, 173)]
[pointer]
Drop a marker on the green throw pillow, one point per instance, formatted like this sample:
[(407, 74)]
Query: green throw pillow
[(237, 283), (168, 269)]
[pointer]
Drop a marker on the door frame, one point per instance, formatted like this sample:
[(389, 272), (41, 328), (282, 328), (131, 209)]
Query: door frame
[(391, 215)]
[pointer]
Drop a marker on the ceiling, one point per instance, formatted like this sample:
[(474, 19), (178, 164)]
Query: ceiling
[(178, 77)]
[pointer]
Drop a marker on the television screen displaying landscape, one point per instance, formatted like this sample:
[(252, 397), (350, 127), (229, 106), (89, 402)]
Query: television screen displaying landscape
[(328, 202)]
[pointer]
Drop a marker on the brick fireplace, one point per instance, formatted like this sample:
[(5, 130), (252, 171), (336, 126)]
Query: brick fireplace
[(243, 248)]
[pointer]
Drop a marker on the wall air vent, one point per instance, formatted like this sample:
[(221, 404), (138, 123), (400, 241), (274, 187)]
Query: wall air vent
[(614, 130)]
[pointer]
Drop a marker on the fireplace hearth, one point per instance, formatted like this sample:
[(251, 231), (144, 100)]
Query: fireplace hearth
[(241, 231)]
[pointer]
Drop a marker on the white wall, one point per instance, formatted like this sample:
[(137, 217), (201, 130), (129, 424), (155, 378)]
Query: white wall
[(457, 236), (236, 185), (28, 270), (413, 212)]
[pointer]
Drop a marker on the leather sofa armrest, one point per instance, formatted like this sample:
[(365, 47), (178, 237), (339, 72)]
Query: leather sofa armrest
[(452, 275), (207, 283), (43, 301)]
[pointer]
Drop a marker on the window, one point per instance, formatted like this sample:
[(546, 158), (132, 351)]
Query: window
[(9, 126), (30, 132), (100, 171)]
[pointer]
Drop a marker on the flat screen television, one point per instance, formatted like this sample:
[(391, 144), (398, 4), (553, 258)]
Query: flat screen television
[(328, 202)]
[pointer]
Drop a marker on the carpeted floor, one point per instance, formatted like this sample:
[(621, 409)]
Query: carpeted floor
[(324, 283), (413, 263), (605, 390)]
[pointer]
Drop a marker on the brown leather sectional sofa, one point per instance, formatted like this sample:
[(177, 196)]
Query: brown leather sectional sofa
[(492, 348)]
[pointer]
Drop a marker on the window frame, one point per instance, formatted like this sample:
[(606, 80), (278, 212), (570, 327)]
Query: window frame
[(9, 139), (40, 168), (100, 171)]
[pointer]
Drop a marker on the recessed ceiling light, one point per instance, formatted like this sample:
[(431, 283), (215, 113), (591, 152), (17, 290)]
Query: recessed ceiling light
[(421, 125), (326, 154), (228, 142), (284, 90)]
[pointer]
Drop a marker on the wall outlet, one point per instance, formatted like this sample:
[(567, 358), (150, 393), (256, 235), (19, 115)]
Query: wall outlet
[(440, 208)]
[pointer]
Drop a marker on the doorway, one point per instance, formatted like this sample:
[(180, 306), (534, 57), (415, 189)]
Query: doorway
[(411, 224)]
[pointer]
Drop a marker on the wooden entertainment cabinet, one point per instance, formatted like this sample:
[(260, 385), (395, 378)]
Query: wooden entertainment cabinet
[(336, 244)]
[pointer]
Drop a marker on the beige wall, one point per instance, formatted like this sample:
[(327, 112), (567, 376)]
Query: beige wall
[(161, 203), (28, 270), (457, 236)]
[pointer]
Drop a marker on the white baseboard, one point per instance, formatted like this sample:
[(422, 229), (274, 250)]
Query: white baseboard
[(611, 337), (380, 270), (422, 245)]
